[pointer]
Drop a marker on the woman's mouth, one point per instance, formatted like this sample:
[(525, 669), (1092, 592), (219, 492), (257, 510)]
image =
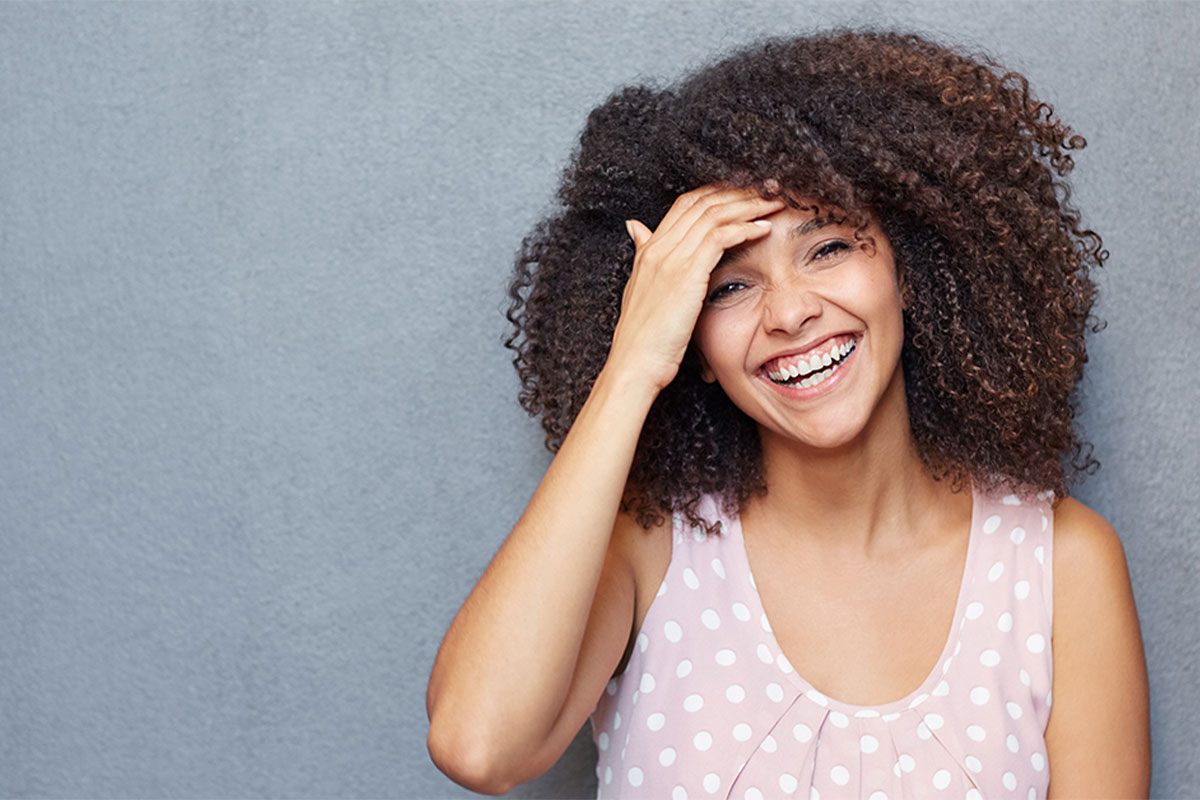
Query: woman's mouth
[(806, 373)]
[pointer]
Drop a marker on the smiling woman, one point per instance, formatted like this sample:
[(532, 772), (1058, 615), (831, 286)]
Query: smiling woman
[(805, 336)]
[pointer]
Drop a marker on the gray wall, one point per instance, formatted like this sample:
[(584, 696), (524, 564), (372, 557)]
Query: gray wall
[(257, 433)]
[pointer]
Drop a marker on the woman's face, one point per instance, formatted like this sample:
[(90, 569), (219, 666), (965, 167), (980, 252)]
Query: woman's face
[(803, 328)]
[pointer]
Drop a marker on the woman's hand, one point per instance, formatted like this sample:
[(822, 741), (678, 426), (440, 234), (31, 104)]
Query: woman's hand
[(669, 282)]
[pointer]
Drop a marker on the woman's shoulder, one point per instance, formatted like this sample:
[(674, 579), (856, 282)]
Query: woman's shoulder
[(1098, 733), (1087, 549)]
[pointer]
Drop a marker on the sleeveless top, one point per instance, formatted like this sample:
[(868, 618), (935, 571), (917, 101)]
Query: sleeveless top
[(709, 707)]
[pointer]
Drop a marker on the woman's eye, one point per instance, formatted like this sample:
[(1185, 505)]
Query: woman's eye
[(831, 248), (725, 290)]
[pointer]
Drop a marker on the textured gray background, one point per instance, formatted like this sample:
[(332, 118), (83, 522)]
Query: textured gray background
[(257, 433)]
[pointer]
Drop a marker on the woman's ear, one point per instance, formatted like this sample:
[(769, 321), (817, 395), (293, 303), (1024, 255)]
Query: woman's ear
[(906, 295)]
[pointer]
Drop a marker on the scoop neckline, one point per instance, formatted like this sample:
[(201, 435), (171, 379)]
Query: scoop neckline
[(937, 672)]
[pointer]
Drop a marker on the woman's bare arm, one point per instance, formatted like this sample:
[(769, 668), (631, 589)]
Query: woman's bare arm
[(530, 651), (1098, 736)]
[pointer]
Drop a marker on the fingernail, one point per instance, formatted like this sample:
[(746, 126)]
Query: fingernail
[(766, 223), (629, 229)]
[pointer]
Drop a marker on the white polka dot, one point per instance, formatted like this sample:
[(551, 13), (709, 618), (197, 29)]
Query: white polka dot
[(742, 732), (635, 776), (839, 719), (1024, 676), (718, 567), (726, 657), (672, 631), (973, 794), (946, 664), (866, 713), (1032, 794), (711, 619), (783, 663), (616, 720), (611, 687), (690, 579), (976, 733), (656, 721), (1021, 590), (1010, 781), (775, 692), (741, 612), (788, 783), (934, 721), (989, 658), (764, 654), (766, 623), (679, 793), (702, 740), (996, 571), (698, 534), (1011, 500), (891, 717), (1012, 743), (769, 744), (991, 523), (1039, 552), (684, 669), (1038, 761), (1017, 535), (1005, 622), (735, 694), (642, 642), (878, 796), (1036, 643), (980, 695), (923, 731), (921, 698), (973, 764), (647, 684), (1049, 698), (636, 694), (817, 697), (693, 702), (1013, 710), (839, 775), (662, 589), (974, 610), (602, 741), (813, 794), (607, 775), (907, 763), (667, 756), (868, 743), (753, 794), (942, 689), (941, 779), (802, 732), (712, 782)]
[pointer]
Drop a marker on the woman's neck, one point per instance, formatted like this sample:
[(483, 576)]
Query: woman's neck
[(868, 496)]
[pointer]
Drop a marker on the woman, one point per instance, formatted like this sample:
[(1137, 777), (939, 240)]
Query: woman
[(805, 336)]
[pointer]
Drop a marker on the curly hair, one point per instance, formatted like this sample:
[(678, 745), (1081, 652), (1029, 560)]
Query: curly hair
[(963, 169)]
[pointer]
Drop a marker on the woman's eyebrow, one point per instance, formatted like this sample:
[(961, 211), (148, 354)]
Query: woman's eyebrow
[(736, 254), (811, 225)]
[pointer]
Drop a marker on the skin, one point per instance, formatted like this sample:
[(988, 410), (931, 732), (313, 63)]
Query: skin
[(853, 536)]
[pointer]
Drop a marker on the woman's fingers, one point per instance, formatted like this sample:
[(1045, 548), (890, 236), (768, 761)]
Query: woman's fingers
[(638, 232)]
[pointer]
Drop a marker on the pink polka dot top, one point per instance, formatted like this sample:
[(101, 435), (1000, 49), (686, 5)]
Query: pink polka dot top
[(709, 707)]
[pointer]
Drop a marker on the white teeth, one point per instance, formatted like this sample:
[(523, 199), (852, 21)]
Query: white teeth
[(815, 364)]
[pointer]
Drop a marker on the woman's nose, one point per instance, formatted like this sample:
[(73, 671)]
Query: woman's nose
[(787, 309)]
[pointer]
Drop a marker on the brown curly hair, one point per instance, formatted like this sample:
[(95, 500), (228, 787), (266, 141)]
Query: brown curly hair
[(964, 171)]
